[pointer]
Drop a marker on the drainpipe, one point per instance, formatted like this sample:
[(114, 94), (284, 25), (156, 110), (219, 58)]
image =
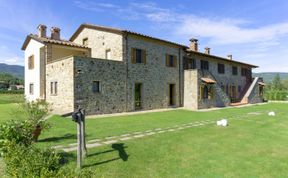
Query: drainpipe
[(180, 96), (126, 83)]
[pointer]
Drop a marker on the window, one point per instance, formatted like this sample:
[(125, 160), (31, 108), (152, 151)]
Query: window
[(171, 60), (85, 42), (96, 87), (31, 88), (221, 68), (204, 65), (189, 63), (239, 88), (234, 70), (31, 62), (53, 88), (108, 54), (244, 72), (138, 56)]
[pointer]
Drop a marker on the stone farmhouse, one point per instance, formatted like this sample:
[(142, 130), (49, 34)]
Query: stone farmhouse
[(109, 70)]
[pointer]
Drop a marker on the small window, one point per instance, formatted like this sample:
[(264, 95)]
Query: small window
[(234, 70), (138, 56), (31, 62), (204, 65), (85, 42), (31, 88), (108, 54), (244, 72), (239, 88), (221, 68), (53, 88), (171, 60), (96, 87)]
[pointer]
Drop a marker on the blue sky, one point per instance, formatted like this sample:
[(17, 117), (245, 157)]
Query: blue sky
[(252, 31)]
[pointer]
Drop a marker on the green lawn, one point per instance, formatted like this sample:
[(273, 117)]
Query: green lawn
[(254, 146), (11, 98)]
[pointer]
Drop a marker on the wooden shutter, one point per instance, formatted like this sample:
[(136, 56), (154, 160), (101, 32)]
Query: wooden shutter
[(133, 55), (143, 56), (174, 61), (167, 60), (201, 91)]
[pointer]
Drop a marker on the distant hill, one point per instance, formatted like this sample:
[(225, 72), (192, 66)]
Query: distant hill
[(269, 76), (15, 70)]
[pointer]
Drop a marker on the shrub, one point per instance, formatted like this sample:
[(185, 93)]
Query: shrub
[(18, 132), (29, 161), (11, 91)]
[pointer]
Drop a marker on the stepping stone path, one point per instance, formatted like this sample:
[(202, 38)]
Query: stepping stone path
[(135, 135)]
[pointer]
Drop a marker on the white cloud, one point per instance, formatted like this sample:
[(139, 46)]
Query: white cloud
[(9, 57)]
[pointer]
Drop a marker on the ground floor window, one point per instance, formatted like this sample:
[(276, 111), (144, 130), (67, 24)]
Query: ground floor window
[(95, 86), (53, 88), (31, 88)]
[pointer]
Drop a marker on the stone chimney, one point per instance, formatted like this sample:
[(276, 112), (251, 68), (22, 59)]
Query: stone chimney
[(41, 30), (194, 44), (229, 56), (207, 50), (55, 33)]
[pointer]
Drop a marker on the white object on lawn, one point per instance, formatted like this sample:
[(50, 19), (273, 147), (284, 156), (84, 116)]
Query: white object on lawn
[(272, 113), (223, 122)]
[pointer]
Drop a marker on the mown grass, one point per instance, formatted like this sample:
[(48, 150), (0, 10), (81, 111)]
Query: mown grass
[(11, 98), (254, 146)]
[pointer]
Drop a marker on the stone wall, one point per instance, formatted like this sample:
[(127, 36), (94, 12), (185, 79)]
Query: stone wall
[(111, 76), (100, 41), (62, 72), (155, 76), (191, 88)]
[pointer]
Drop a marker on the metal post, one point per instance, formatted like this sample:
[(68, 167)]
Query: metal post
[(79, 140)]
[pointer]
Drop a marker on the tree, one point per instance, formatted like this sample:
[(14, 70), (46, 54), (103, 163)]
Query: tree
[(276, 83)]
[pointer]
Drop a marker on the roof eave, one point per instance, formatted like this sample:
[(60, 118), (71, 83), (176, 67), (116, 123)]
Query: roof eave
[(221, 58)]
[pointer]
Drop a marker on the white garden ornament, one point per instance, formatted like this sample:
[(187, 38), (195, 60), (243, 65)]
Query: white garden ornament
[(272, 113), (223, 122)]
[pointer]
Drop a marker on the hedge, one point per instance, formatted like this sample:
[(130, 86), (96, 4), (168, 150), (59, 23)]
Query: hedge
[(11, 91), (276, 95)]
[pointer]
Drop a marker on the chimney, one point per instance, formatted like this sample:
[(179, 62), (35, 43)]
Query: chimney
[(207, 50), (41, 31), (229, 56), (194, 44), (55, 33)]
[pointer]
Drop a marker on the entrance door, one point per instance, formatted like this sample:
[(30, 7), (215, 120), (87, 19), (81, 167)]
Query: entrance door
[(233, 93), (138, 95), (172, 94)]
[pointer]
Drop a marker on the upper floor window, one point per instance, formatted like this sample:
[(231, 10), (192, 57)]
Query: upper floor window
[(31, 88), (96, 87), (204, 65), (171, 60), (85, 42), (234, 70), (108, 54), (244, 72), (189, 63), (31, 62), (138, 56), (221, 68)]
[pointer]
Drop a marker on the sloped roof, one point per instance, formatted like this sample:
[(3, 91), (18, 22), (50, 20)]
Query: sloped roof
[(220, 58), (119, 31), (208, 80), (45, 40)]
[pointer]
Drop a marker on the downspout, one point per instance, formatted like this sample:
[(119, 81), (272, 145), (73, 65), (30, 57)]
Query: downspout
[(126, 83), (180, 96)]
